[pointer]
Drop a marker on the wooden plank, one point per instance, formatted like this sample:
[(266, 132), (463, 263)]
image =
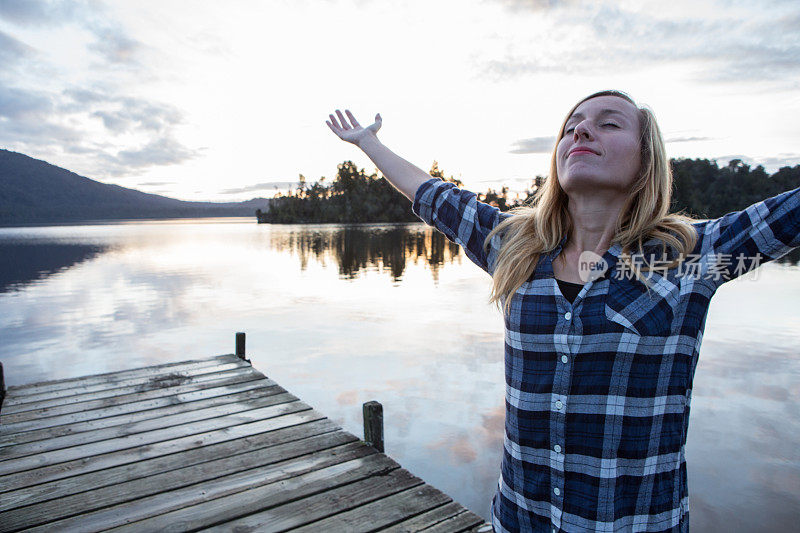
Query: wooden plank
[(164, 379), (427, 519), (226, 378), (315, 452), (160, 382), (381, 513), (57, 384), (273, 496), (172, 458), (464, 521), (144, 508), (82, 465), (91, 419), (184, 418), (84, 454), (324, 502), (486, 527)]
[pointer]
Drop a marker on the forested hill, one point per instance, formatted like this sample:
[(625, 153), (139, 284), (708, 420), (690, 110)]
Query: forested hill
[(34, 191), (704, 189), (701, 188)]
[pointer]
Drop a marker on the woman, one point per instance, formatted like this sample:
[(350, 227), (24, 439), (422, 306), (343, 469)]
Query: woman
[(605, 297)]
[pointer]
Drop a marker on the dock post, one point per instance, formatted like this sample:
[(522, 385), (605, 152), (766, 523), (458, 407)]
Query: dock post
[(240, 338), (373, 425), (2, 386)]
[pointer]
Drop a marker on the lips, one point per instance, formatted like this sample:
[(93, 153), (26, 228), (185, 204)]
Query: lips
[(582, 150)]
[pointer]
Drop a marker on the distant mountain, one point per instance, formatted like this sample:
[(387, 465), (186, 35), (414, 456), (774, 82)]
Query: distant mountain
[(34, 191)]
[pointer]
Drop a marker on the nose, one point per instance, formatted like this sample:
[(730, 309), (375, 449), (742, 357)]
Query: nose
[(582, 131)]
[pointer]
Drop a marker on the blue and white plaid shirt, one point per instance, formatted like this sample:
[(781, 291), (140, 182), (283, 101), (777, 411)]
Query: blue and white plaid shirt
[(598, 391)]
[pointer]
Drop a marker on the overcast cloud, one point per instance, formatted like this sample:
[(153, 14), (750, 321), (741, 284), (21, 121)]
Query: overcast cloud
[(155, 92)]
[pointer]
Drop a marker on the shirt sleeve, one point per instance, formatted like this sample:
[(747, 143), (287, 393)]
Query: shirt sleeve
[(741, 241), (463, 219)]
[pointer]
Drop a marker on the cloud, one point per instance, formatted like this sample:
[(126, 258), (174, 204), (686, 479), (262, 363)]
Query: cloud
[(38, 122), (155, 183), (111, 42), (533, 5), (770, 163), (12, 51), (686, 139), (760, 46), (163, 150), (18, 104), (268, 186), (124, 114), (33, 12), (534, 145), (115, 46)]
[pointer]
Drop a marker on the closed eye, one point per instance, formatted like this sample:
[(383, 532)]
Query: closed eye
[(611, 124)]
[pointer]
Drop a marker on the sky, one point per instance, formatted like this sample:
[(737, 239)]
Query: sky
[(226, 101)]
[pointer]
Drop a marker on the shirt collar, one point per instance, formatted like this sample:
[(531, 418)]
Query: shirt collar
[(545, 267)]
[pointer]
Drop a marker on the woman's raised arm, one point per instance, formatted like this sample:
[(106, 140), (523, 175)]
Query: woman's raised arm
[(404, 176)]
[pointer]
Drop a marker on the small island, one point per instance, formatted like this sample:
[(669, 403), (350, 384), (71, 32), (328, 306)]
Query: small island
[(702, 189)]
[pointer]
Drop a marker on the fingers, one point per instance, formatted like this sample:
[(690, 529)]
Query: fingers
[(345, 125), (353, 120), (341, 125)]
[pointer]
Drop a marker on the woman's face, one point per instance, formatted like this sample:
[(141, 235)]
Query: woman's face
[(600, 149)]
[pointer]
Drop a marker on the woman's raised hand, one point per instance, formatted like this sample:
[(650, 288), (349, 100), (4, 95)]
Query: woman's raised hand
[(353, 132)]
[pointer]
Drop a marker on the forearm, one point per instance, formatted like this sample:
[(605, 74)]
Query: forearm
[(404, 176)]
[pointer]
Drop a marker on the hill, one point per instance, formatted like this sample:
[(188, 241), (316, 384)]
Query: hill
[(34, 191)]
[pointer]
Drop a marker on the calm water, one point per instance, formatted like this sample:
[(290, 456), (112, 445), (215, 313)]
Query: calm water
[(340, 315)]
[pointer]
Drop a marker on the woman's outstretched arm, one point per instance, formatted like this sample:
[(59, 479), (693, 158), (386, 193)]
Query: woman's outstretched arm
[(404, 176)]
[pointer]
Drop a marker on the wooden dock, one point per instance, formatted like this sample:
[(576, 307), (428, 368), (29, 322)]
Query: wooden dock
[(201, 444)]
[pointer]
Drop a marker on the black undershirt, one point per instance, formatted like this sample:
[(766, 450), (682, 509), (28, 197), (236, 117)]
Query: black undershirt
[(569, 290)]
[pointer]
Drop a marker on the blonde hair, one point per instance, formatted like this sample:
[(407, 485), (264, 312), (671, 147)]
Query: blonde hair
[(539, 227)]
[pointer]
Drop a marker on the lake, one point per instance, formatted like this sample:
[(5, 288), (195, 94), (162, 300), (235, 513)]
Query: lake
[(343, 314)]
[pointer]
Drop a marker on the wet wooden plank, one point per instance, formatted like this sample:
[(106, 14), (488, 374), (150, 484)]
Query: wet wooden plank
[(433, 517), (179, 421), (117, 475), (160, 382), (145, 508), (135, 411), (465, 521), (293, 458), (148, 437), (382, 513), (225, 378), (49, 472), (58, 384), (328, 500)]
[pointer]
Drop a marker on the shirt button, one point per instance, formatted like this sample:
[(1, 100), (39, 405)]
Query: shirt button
[(557, 448), (559, 405), (557, 491), (564, 359), (568, 315)]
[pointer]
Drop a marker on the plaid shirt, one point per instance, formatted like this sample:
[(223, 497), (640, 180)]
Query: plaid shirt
[(598, 391)]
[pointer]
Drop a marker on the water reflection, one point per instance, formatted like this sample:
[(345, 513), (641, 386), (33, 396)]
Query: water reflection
[(356, 248), (24, 262)]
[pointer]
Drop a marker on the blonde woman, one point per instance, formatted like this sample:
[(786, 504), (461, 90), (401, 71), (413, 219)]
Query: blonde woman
[(605, 296)]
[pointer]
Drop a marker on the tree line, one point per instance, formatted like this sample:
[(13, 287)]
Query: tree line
[(701, 188)]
